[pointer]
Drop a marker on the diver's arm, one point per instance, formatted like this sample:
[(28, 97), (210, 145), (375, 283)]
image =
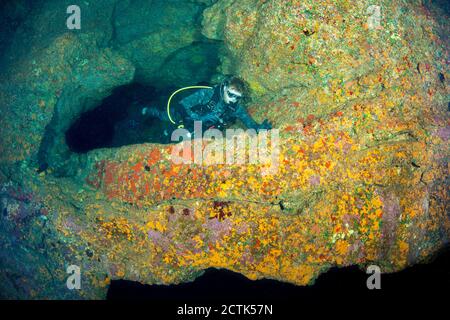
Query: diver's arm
[(201, 96)]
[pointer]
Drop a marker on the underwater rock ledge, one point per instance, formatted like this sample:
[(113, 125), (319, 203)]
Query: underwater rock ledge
[(363, 170)]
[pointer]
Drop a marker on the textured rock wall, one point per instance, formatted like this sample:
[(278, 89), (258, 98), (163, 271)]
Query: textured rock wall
[(363, 170)]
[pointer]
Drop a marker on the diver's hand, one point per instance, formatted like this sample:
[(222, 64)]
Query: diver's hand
[(265, 125)]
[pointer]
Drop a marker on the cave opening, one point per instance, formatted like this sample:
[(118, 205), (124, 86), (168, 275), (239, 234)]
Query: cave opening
[(119, 120)]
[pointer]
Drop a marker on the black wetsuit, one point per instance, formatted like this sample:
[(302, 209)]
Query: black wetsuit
[(208, 106)]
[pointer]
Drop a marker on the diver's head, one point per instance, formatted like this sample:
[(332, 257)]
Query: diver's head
[(233, 90)]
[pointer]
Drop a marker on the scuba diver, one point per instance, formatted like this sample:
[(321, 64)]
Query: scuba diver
[(216, 107)]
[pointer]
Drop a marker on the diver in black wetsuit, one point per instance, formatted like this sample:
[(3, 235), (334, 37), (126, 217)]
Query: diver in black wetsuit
[(216, 107)]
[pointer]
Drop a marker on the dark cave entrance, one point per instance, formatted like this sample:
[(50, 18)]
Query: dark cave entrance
[(119, 121)]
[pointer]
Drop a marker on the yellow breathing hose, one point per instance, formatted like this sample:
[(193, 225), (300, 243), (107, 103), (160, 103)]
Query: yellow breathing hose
[(168, 102)]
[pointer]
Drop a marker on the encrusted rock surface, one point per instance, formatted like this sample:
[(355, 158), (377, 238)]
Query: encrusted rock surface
[(363, 167)]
